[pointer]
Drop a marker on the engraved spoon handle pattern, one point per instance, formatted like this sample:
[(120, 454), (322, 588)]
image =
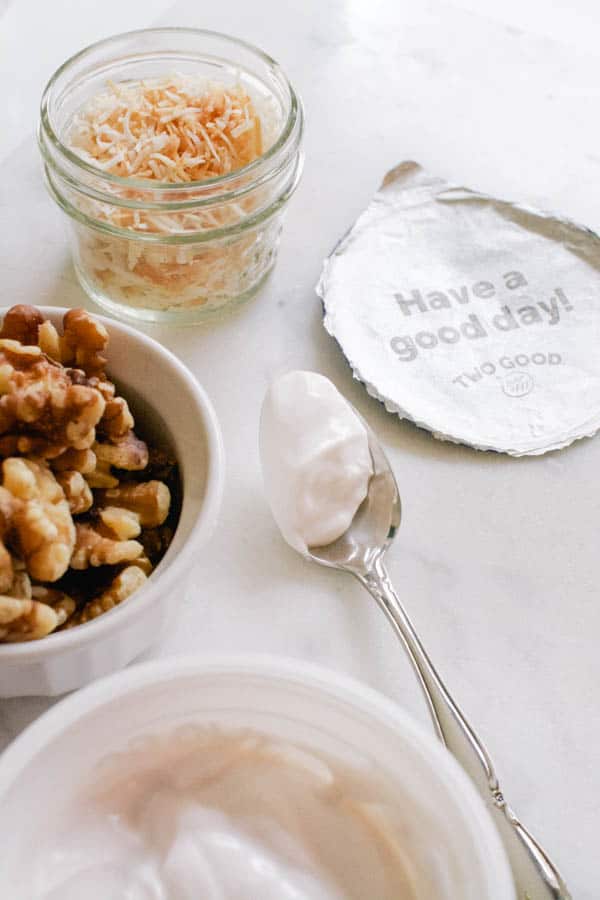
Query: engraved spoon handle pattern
[(536, 877)]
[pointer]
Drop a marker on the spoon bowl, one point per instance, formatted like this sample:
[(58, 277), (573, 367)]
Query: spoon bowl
[(374, 525)]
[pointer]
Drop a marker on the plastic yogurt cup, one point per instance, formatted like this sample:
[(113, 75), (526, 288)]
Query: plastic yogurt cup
[(449, 842)]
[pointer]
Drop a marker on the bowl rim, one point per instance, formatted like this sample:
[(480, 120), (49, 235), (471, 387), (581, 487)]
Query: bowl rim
[(356, 695), (203, 525)]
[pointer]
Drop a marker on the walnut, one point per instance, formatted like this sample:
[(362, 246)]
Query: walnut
[(129, 453), (102, 384), (21, 323), (123, 586), (117, 420), (151, 500), (25, 620), (7, 564), (49, 341), (27, 325), (123, 523), (14, 578), (95, 549), (7, 572), (6, 569), (84, 342), (83, 461), (87, 408), (101, 477), (77, 491), (30, 445), (7, 511), (143, 563), (42, 411), (17, 356), (21, 583), (63, 605), (43, 529)]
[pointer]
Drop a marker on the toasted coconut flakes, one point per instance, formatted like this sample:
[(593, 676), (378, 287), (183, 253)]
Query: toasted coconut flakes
[(144, 129), (176, 129)]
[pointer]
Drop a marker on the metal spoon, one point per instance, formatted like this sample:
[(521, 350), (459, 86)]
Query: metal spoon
[(360, 551)]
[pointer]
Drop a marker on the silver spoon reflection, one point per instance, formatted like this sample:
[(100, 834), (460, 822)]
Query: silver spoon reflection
[(360, 551)]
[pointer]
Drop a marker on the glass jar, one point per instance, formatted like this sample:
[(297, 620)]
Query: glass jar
[(209, 243)]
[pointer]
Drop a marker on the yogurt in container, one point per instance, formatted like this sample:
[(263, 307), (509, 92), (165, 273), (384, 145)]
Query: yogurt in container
[(238, 778)]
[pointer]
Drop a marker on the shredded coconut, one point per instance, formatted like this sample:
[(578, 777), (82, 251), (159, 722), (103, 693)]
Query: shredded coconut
[(189, 127), (176, 129)]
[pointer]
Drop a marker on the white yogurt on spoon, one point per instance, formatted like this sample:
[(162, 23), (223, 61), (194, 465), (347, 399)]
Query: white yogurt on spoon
[(315, 458)]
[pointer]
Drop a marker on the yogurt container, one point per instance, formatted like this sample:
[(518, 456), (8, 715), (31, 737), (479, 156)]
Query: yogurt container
[(450, 846)]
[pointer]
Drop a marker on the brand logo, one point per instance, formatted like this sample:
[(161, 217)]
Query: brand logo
[(517, 384)]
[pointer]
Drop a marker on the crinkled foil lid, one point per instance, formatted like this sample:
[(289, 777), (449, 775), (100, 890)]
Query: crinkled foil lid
[(476, 318)]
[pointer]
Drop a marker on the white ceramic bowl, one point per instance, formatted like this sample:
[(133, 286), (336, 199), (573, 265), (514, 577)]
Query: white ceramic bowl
[(448, 832), (167, 400)]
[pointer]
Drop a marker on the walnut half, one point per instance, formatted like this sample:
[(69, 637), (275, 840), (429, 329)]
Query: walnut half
[(43, 411), (63, 605), (77, 491), (151, 501), (44, 533), (95, 549), (25, 620), (122, 587)]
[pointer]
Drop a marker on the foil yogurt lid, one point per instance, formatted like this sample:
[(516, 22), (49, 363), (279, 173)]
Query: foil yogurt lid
[(476, 318)]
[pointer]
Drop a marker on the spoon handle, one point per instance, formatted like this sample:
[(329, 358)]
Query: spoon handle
[(536, 877)]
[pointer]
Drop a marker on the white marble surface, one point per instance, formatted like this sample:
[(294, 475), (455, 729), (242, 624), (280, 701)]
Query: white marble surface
[(497, 558)]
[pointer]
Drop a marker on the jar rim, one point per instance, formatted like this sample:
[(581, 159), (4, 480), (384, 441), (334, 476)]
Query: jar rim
[(46, 128)]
